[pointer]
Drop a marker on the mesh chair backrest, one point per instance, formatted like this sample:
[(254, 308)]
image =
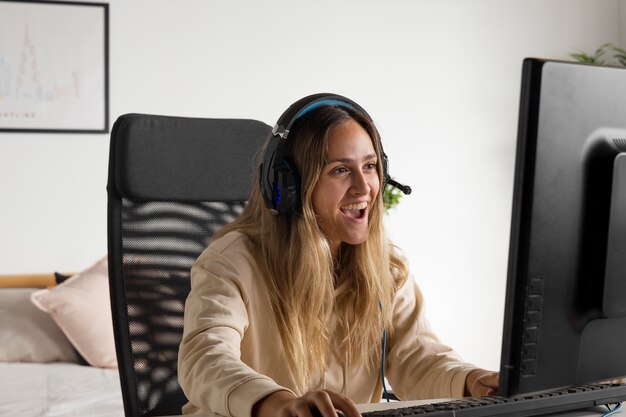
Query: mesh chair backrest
[(160, 242), (159, 223)]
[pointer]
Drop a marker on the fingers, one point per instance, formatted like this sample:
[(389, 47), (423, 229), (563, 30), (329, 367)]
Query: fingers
[(320, 404), (344, 404), (483, 390), (488, 377), (323, 403), (480, 382), (491, 382)]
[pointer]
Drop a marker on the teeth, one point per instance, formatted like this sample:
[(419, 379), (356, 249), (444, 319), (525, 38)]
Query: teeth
[(359, 206)]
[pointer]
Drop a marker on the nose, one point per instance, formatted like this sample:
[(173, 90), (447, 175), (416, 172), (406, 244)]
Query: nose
[(360, 185)]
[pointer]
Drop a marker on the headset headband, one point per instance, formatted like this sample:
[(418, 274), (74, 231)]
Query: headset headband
[(308, 103)]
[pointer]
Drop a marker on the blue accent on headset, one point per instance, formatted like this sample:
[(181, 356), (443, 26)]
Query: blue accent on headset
[(277, 189), (326, 102)]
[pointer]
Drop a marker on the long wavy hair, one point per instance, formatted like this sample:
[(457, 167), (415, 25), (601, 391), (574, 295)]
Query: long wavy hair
[(306, 285)]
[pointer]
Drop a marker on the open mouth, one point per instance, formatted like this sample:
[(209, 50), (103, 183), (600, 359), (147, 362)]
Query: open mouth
[(354, 211)]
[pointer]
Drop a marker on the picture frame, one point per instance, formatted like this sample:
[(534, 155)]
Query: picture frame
[(54, 59)]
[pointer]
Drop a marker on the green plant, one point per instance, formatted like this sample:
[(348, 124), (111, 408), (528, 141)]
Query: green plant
[(391, 197), (607, 54), (620, 55)]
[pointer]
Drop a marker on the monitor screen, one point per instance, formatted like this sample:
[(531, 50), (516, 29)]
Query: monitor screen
[(565, 315)]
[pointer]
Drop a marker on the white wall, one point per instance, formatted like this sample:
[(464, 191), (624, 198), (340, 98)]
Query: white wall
[(440, 77), (622, 24)]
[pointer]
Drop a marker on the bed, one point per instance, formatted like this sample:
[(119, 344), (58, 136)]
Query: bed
[(57, 356), (59, 389)]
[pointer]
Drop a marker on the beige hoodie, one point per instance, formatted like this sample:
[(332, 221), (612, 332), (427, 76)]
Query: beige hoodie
[(231, 354)]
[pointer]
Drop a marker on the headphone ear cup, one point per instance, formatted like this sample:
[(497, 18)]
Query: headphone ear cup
[(276, 179), (386, 176), (279, 180), (285, 187)]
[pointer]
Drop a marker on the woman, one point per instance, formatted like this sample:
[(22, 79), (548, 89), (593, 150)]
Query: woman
[(302, 307)]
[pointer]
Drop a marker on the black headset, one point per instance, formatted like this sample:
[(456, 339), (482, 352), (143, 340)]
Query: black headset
[(278, 177)]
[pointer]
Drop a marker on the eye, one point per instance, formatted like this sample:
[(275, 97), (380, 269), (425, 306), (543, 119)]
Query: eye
[(370, 165), (339, 170)]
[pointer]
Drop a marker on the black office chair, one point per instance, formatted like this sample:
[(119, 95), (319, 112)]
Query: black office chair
[(172, 182)]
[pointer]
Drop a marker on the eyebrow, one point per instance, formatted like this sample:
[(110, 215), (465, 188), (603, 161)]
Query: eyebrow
[(347, 160)]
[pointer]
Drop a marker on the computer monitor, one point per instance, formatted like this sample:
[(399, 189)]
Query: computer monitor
[(565, 315)]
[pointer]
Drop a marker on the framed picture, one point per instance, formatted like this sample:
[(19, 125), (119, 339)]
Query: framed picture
[(54, 73)]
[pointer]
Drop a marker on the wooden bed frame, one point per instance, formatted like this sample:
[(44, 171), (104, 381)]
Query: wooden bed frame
[(29, 280)]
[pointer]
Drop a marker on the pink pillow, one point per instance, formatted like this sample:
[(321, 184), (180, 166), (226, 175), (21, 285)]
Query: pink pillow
[(27, 333), (81, 308)]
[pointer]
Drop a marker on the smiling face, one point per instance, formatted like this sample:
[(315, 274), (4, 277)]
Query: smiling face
[(347, 186)]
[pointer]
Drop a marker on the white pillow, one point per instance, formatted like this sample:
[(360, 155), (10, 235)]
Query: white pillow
[(81, 308), (28, 334)]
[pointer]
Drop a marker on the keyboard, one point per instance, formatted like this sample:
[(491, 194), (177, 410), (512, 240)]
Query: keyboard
[(545, 402)]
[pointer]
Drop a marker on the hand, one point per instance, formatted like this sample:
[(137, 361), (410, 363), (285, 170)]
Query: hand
[(480, 382), (322, 403)]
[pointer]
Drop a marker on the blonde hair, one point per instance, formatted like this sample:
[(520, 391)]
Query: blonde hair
[(305, 284)]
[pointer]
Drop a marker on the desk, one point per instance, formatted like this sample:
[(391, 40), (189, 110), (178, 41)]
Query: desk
[(589, 412)]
